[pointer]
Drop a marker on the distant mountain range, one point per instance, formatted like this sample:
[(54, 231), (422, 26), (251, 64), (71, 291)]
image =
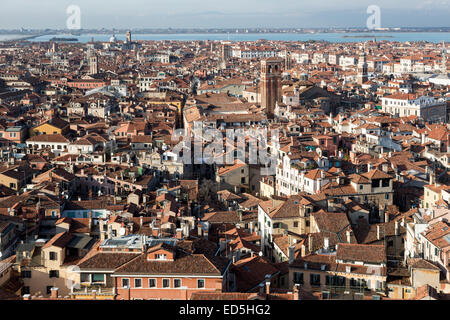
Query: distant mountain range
[(221, 30)]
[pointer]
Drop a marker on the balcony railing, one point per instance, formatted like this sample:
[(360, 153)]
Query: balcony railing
[(99, 291), (336, 289)]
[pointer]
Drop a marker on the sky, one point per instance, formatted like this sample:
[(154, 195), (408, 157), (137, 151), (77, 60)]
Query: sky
[(41, 14)]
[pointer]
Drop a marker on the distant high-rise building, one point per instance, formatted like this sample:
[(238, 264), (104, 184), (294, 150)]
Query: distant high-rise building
[(93, 64), (270, 84), (129, 37)]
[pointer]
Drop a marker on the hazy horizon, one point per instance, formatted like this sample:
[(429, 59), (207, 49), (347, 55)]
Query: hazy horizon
[(134, 14)]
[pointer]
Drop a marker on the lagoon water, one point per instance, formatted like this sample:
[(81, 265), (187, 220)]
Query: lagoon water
[(6, 37), (331, 37)]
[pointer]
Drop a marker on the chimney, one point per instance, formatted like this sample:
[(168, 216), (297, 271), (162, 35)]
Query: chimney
[(101, 224), (378, 232), (326, 243), (239, 212), (267, 283), (369, 167), (141, 221), (291, 254), (349, 236), (432, 179), (267, 286), (54, 293), (179, 233), (94, 294), (296, 291), (90, 220), (386, 216), (200, 231), (397, 228), (310, 243), (261, 289)]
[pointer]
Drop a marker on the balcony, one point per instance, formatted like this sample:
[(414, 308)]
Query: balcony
[(93, 292), (338, 290)]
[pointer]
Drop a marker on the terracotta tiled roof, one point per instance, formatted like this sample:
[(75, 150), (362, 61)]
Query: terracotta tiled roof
[(361, 252), (48, 138), (189, 264), (107, 260), (376, 174), (251, 271), (59, 240)]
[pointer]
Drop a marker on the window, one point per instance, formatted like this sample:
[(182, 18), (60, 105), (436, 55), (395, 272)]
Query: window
[(125, 283), (53, 255), (25, 290), (85, 277), (200, 283), (26, 274), (138, 283), (314, 279), (98, 277), (340, 281), (166, 283), (177, 283), (152, 283), (49, 289), (54, 274), (298, 277)]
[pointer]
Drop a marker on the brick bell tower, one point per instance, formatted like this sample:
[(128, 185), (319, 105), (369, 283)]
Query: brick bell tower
[(270, 84), (362, 68)]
